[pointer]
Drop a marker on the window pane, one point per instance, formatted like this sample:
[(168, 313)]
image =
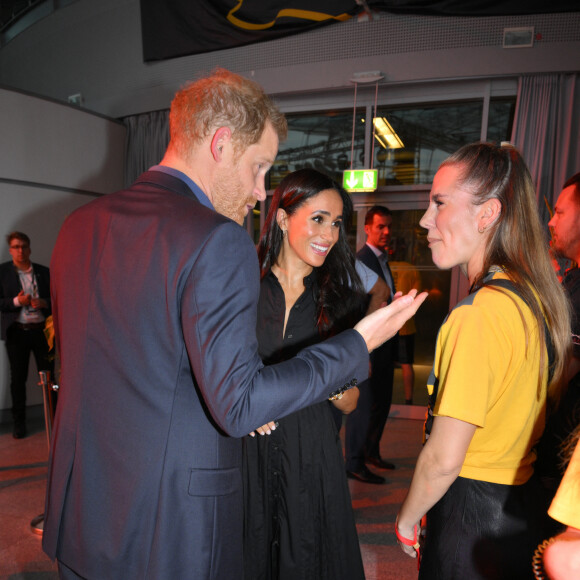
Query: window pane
[(423, 136), (501, 120), (321, 140), (410, 259), (428, 134), (254, 217)]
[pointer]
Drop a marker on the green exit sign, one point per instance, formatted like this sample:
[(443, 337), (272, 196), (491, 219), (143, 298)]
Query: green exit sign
[(360, 180)]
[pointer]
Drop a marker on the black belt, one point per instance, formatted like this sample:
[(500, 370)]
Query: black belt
[(29, 325)]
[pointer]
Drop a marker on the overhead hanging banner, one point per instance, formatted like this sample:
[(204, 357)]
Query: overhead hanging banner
[(174, 28)]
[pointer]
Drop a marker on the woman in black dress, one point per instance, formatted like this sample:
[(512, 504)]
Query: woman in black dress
[(299, 522)]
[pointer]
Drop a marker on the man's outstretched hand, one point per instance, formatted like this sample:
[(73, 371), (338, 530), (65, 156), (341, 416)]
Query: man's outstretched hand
[(384, 323)]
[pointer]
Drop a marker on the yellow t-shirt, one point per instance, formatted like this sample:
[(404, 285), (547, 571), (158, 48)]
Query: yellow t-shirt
[(566, 503), (488, 376)]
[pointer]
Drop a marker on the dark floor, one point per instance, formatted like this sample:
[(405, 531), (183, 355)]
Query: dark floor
[(23, 480), (22, 486)]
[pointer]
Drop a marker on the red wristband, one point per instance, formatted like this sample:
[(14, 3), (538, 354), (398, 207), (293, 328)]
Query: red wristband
[(414, 543), (407, 541)]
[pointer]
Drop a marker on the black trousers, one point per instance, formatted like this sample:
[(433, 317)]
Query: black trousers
[(480, 530), (381, 391), (19, 344), (365, 425), (356, 429)]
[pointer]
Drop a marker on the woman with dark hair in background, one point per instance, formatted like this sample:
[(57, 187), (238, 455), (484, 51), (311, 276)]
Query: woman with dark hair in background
[(499, 360), (299, 521)]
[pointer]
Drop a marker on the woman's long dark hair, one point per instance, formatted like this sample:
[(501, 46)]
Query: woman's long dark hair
[(340, 294)]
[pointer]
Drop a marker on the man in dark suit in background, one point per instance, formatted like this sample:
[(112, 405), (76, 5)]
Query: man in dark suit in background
[(365, 425), (155, 290), (565, 229), (25, 304)]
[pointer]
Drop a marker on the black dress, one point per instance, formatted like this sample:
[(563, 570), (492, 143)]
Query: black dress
[(298, 522)]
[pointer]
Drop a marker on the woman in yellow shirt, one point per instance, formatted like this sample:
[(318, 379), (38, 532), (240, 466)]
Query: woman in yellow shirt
[(500, 356)]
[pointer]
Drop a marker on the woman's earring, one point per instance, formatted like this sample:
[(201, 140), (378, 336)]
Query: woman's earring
[(481, 229), (284, 232)]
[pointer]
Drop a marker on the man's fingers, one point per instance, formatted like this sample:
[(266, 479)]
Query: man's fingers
[(418, 300), (384, 323), (399, 294), (408, 301), (407, 309)]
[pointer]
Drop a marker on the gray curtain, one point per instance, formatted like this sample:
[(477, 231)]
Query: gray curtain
[(147, 140), (546, 131)]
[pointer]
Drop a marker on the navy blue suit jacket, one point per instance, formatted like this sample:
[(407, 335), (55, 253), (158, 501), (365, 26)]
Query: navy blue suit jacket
[(369, 258), (387, 350), (154, 301)]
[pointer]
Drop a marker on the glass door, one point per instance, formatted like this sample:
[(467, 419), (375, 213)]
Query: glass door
[(410, 261)]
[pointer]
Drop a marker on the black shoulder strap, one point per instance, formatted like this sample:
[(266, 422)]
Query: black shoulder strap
[(509, 285)]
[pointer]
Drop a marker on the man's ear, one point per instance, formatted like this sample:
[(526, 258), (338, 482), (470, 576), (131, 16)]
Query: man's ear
[(220, 139)]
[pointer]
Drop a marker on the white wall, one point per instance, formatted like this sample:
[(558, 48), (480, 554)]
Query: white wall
[(53, 159)]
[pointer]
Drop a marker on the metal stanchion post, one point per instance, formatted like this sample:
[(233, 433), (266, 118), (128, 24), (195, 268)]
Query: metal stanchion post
[(45, 382)]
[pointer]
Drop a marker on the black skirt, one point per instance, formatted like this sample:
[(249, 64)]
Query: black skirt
[(299, 523), (481, 530)]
